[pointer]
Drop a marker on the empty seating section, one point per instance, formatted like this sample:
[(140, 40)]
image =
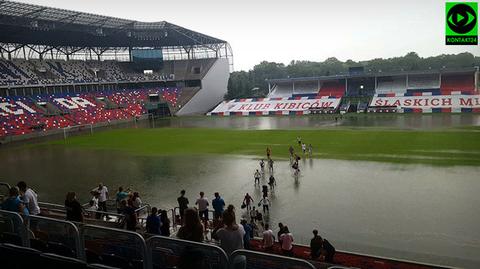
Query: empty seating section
[(24, 115), (423, 83), (306, 89), (282, 90), (391, 85), (332, 88), (463, 83)]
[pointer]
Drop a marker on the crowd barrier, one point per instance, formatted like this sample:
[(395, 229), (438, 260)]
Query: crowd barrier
[(166, 252), (115, 247), (257, 260)]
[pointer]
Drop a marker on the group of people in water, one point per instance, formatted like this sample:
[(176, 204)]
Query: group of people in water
[(195, 220), (233, 235)]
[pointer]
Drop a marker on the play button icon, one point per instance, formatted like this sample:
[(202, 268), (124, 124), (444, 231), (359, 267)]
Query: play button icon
[(461, 19)]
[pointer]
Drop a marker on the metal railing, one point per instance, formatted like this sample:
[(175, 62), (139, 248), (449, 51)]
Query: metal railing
[(166, 252), (257, 260), (122, 243), (5, 189), (11, 223), (57, 231)]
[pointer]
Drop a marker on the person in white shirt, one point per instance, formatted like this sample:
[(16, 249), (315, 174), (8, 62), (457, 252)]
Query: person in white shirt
[(92, 208), (265, 202), (102, 198), (136, 201), (231, 234), (29, 197), (203, 204), (287, 242), (268, 238), (257, 177)]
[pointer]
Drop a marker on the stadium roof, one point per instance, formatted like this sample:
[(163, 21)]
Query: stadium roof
[(39, 25), (376, 74)]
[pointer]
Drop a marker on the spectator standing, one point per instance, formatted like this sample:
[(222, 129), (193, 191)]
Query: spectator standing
[(253, 214), (287, 242), (92, 208), (192, 228), (102, 198), (13, 202), (248, 200), (29, 197), (129, 215), (270, 166), (182, 203), (121, 195), (268, 238), (272, 182), (316, 245), (165, 228), (231, 234), (136, 201), (281, 230), (265, 202), (257, 177), (218, 204), (153, 222), (73, 207), (265, 190), (328, 250), (203, 204), (248, 233)]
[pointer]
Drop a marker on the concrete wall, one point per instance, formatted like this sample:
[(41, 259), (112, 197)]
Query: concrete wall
[(214, 87)]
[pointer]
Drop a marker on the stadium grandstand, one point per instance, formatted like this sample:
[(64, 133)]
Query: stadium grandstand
[(415, 91), (61, 68)]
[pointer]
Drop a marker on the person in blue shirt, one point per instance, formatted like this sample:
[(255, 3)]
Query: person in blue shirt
[(248, 233), (121, 195), (13, 202), (218, 205), (153, 222)]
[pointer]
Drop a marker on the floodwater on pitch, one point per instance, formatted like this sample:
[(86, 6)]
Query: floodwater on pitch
[(417, 212)]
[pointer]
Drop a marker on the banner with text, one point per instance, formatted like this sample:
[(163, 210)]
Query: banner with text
[(428, 101), (274, 105)]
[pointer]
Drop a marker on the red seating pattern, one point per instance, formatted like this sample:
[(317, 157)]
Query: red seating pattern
[(463, 83), (332, 88), (130, 104)]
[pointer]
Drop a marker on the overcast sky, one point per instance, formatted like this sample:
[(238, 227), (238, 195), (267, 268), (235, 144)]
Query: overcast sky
[(282, 31)]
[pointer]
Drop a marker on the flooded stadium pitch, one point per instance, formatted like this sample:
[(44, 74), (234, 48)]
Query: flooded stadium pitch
[(410, 211)]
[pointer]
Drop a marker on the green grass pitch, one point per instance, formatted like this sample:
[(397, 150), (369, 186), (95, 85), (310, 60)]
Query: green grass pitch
[(445, 147)]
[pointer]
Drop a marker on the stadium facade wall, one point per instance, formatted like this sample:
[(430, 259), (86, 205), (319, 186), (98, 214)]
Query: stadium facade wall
[(214, 87)]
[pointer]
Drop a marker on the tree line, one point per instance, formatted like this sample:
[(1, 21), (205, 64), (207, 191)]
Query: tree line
[(244, 84)]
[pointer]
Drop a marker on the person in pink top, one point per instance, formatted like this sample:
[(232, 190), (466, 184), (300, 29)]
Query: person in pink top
[(287, 242)]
